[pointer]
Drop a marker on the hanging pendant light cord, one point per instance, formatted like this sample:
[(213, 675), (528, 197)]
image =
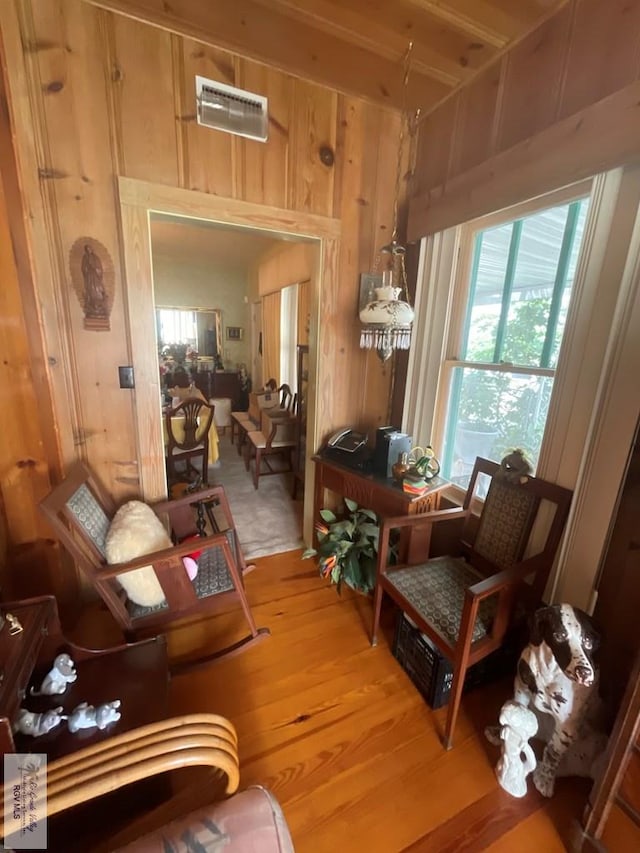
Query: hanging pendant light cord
[(401, 136)]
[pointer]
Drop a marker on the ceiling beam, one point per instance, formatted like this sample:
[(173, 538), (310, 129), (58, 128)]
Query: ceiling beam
[(478, 18), (439, 51), (247, 28)]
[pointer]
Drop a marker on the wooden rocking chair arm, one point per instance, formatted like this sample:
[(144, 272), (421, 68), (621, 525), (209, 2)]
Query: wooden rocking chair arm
[(176, 552), (186, 500)]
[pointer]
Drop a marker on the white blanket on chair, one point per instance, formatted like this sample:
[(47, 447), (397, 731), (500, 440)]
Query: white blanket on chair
[(136, 530)]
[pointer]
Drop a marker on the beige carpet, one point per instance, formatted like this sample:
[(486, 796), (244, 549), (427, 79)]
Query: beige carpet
[(267, 519)]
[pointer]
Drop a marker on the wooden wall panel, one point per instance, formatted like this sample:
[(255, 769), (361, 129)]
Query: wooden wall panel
[(29, 559), (436, 140), (265, 174), (79, 161), (527, 108), (604, 54), (565, 114), (202, 146), (142, 84), (23, 468), (475, 139), (287, 264), (310, 180)]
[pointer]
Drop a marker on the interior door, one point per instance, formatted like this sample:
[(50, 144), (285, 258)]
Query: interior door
[(618, 604)]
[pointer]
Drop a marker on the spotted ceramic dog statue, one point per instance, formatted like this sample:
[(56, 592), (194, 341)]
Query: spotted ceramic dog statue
[(558, 678)]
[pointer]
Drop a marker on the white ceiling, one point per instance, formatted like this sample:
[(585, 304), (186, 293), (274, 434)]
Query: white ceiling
[(229, 247)]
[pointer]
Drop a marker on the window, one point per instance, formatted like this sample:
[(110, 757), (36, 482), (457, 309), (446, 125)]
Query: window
[(288, 334), (510, 307), (176, 326)]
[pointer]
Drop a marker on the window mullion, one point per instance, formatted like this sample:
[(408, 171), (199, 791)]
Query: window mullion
[(507, 289), (451, 423), (473, 280), (560, 282)]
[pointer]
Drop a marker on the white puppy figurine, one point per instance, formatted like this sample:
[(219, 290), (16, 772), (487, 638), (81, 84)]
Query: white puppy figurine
[(34, 724), (86, 716), (62, 674), (518, 759)]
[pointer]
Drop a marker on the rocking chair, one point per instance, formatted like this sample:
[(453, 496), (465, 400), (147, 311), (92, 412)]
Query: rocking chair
[(80, 513)]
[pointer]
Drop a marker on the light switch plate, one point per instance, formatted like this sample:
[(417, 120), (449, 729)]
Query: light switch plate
[(125, 374)]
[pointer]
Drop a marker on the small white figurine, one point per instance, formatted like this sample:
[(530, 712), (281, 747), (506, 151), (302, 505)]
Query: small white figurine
[(517, 760), (29, 723), (62, 674), (86, 716)]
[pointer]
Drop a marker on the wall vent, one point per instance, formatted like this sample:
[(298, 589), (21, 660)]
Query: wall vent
[(227, 108)]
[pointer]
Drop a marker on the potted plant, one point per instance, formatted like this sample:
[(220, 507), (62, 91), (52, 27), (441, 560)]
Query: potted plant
[(347, 548)]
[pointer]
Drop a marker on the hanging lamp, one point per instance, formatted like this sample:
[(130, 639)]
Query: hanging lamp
[(387, 318)]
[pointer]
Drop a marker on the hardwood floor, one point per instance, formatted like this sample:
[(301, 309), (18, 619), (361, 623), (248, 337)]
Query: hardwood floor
[(338, 733)]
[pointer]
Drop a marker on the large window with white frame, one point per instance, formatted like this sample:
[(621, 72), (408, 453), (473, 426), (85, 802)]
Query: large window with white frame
[(509, 305)]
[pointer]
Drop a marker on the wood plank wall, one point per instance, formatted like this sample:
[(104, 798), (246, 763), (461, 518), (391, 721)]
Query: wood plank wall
[(28, 556), (532, 120), (93, 95)]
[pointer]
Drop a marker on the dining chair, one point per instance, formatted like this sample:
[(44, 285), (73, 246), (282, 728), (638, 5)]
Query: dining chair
[(465, 601), (80, 513), (275, 438), (286, 397), (188, 426), (244, 422)]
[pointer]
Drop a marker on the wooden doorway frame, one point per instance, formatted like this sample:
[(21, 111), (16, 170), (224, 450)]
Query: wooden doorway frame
[(138, 199)]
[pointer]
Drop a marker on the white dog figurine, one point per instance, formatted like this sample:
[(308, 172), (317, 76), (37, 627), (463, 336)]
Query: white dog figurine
[(86, 716), (557, 678), (30, 723), (517, 760), (62, 674)]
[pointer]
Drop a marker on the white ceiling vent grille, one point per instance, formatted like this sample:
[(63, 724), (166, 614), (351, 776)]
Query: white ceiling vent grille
[(227, 108)]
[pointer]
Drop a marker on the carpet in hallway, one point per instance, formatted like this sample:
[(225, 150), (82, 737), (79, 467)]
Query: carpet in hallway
[(267, 519)]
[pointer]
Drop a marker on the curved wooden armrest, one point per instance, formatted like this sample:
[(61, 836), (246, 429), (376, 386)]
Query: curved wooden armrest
[(173, 553), (187, 500), (191, 740)]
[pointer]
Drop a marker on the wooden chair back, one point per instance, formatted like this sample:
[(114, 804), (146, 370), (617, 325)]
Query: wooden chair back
[(512, 522), (286, 397), (195, 417)]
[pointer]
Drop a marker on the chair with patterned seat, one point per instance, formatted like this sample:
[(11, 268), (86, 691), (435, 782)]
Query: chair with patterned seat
[(465, 602), (82, 515)]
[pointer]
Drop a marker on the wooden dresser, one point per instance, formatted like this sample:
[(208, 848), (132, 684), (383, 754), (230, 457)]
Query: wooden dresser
[(222, 383), (137, 674)]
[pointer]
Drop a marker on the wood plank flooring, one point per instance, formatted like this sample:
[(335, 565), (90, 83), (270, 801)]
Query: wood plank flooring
[(340, 735)]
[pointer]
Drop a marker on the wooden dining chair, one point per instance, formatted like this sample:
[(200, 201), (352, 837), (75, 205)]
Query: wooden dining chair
[(188, 426), (275, 438), (286, 397), (465, 601), (80, 513)]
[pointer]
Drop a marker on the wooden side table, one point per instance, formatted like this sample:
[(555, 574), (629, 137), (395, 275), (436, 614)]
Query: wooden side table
[(383, 496)]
